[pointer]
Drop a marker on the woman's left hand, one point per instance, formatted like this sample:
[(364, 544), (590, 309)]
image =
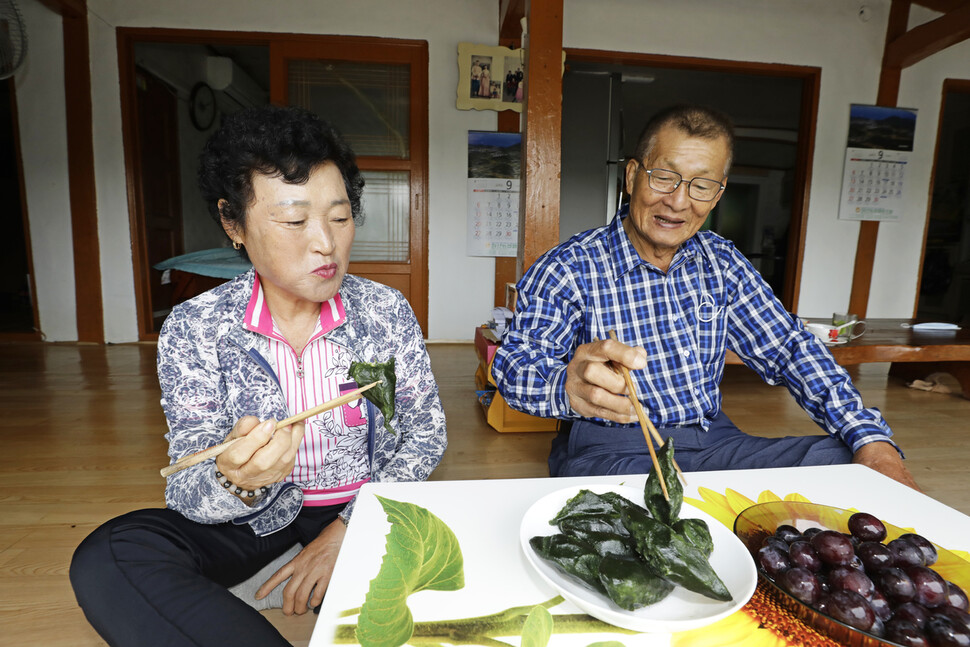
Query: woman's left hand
[(309, 572)]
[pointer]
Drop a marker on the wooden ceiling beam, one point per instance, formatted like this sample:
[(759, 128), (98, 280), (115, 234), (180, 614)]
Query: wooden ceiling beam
[(929, 38), (943, 6), (510, 15)]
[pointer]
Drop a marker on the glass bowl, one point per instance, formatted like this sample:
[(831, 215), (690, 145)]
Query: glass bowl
[(759, 521)]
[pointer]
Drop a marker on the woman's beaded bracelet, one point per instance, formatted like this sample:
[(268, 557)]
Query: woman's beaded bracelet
[(249, 494)]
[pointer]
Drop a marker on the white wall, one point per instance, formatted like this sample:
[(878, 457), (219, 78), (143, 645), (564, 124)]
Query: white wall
[(823, 33), (39, 86)]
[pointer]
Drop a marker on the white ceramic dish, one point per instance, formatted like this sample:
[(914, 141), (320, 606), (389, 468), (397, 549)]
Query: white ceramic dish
[(682, 609)]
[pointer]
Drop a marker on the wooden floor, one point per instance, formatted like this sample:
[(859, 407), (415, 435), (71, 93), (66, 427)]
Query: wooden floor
[(82, 431)]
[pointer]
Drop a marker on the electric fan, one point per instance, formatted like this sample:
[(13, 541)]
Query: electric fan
[(13, 38)]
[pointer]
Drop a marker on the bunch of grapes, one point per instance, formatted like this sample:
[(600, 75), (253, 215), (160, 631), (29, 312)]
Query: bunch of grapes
[(886, 589)]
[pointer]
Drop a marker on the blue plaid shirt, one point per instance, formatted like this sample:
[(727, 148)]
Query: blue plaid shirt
[(710, 299)]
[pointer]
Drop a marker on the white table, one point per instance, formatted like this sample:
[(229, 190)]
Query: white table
[(485, 516)]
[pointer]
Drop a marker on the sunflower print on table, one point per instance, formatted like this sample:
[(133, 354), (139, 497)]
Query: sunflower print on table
[(762, 622)]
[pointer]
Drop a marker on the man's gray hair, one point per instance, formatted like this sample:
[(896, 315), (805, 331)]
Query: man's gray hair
[(692, 120)]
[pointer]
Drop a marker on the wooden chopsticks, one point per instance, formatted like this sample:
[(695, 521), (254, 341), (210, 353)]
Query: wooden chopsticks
[(645, 425), (215, 450)]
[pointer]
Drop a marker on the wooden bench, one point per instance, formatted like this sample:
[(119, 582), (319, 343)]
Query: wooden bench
[(912, 354)]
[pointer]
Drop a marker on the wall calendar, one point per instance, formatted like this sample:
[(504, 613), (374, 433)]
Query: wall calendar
[(493, 193), (878, 153)]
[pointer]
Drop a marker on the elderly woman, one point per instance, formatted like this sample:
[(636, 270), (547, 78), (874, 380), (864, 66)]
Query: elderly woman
[(273, 342)]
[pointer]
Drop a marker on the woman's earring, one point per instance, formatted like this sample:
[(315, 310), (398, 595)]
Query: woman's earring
[(236, 245)]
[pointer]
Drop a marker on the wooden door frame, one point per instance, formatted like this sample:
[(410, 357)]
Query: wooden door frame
[(126, 39), (949, 85), (88, 298), (811, 82), (381, 50)]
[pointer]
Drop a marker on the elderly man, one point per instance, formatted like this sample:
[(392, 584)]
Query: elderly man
[(676, 298)]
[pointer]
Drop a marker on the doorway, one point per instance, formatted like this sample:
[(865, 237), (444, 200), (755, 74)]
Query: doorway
[(609, 97), (18, 312), (944, 291)]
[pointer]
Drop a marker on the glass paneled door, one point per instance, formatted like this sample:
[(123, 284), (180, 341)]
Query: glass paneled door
[(375, 92)]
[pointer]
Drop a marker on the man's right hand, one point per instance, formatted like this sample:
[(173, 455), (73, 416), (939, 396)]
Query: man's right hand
[(594, 389)]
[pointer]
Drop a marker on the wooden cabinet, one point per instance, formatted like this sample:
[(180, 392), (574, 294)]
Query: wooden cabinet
[(498, 413)]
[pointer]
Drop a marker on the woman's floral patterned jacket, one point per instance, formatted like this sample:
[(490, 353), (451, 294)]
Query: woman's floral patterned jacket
[(213, 371)]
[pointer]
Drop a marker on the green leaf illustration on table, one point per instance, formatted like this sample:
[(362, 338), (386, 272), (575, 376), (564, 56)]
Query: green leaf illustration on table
[(422, 553), (537, 628)]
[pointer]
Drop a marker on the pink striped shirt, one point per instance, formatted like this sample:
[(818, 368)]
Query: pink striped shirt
[(331, 463)]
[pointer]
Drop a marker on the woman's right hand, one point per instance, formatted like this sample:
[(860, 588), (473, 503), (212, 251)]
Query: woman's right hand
[(261, 458)]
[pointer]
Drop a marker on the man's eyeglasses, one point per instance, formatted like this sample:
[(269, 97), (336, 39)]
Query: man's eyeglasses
[(664, 181)]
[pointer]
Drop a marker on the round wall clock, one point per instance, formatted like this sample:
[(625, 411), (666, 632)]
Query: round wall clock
[(202, 106)]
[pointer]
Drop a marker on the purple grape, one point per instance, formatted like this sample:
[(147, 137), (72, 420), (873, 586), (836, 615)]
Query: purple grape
[(874, 555), (924, 545), (880, 605), (773, 560), (823, 581), (801, 584), (777, 542), (944, 632), (905, 553), (833, 547), (878, 627), (822, 606), (931, 589), (956, 597), (905, 633), (912, 612), (811, 532), (850, 608), (866, 527), (850, 579), (956, 615), (787, 533), (895, 584), (802, 554)]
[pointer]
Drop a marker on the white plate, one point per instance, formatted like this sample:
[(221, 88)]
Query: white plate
[(682, 609), (837, 342)]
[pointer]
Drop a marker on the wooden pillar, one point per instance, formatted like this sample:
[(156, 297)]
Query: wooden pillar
[(541, 150), (887, 95), (80, 163), (509, 121)]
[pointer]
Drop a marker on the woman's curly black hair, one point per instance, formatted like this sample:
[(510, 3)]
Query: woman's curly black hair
[(277, 141)]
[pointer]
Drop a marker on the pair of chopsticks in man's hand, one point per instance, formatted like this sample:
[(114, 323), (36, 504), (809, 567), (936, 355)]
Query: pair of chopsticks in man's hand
[(645, 425), (215, 450)]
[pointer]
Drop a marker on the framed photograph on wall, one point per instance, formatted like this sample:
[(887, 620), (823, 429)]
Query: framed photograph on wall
[(490, 78)]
